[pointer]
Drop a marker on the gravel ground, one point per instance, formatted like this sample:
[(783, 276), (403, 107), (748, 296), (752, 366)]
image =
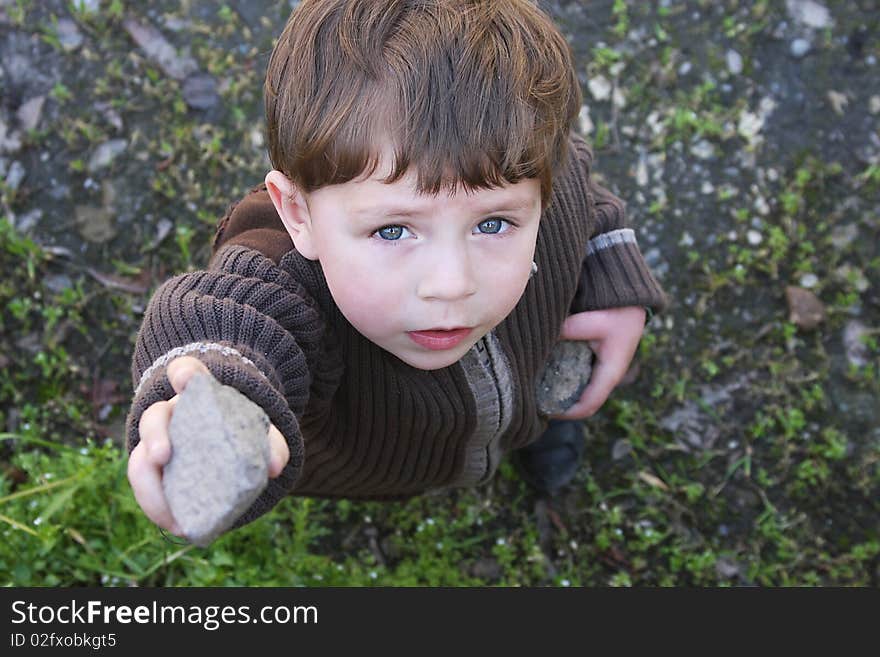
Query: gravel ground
[(744, 138)]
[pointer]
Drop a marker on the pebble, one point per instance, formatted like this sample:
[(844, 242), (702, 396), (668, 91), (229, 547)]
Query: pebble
[(27, 222), (856, 350), (16, 174), (10, 142), (703, 150), (655, 123), (800, 47), (838, 101), (200, 91), (754, 237), (734, 62), (57, 283), (809, 280), (809, 13), (750, 125), (158, 49), (622, 447), (600, 87), (105, 154), (29, 113), (68, 34), (761, 206)]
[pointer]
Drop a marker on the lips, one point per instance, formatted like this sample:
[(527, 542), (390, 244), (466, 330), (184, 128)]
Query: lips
[(439, 339)]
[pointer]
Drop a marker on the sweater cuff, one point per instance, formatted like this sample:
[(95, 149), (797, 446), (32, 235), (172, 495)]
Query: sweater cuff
[(614, 274), (243, 369)]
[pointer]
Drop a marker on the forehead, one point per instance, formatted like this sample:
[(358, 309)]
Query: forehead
[(373, 191)]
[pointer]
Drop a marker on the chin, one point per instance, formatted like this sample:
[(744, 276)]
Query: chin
[(430, 366), (437, 361)]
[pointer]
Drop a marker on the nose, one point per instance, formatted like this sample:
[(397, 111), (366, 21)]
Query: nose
[(448, 277)]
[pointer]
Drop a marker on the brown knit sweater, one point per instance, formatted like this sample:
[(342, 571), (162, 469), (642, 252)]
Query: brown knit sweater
[(361, 423)]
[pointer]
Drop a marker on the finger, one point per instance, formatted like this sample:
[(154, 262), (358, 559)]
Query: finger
[(279, 452), (146, 483), (153, 429), (589, 325), (181, 369)]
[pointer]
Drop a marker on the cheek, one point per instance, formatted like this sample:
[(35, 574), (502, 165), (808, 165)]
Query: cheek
[(511, 274), (510, 292), (366, 296)]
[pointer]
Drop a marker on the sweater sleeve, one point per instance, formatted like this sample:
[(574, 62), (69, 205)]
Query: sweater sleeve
[(254, 327), (614, 272)]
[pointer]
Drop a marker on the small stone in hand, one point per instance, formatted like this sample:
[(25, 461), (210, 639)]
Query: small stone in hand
[(219, 458), (565, 376)]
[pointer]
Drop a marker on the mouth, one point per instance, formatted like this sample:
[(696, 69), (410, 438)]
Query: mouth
[(436, 339)]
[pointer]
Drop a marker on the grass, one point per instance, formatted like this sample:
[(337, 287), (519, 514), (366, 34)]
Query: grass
[(744, 453)]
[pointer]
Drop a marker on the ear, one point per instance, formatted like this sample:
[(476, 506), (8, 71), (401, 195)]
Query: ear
[(294, 212)]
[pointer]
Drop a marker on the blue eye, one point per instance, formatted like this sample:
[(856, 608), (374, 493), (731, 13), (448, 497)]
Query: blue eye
[(394, 236), (495, 222)]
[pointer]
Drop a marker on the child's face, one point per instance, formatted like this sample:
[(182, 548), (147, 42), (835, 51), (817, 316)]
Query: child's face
[(462, 261)]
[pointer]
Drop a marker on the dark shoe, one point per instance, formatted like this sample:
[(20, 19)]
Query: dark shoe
[(551, 462)]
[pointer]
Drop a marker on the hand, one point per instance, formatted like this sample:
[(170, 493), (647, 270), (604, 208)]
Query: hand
[(614, 336), (154, 449)]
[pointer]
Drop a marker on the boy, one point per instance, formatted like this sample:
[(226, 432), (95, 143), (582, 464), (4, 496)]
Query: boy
[(391, 294)]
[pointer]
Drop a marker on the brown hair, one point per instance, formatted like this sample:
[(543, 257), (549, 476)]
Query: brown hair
[(480, 92)]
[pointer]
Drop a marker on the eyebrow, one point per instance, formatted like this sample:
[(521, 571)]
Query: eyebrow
[(501, 206)]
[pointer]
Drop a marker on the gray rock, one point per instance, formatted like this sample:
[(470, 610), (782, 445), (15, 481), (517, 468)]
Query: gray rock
[(105, 154), (800, 47), (29, 113), (28, 222), (219, 458), (809, 13), (566, 375), (15, 175), (734, 62), (857, 353), (157, 48), (621, 449), (69, 35), (10, 142), (200, 91)]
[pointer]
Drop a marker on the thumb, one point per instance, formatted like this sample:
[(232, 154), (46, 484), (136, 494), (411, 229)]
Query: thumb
[(181, 370)]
